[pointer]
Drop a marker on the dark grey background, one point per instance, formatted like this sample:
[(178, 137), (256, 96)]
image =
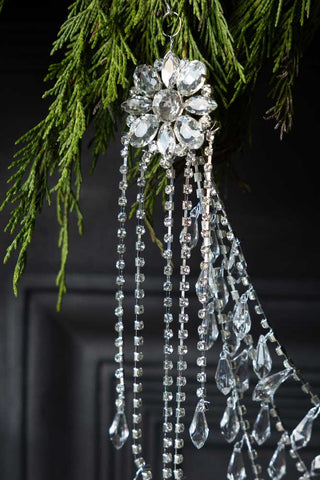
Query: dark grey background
[(56, 369)]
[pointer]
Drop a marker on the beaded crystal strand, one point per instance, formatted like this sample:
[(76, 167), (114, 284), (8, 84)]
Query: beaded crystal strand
[(119, 431), (168, 333), (143, 471)]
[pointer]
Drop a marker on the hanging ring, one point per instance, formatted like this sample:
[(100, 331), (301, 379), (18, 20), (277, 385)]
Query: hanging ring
[(166, 15)]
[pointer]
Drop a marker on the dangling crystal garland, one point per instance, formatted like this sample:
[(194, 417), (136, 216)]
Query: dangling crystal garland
[(168, 333), (119, 431), (169, 116), (137, 386)]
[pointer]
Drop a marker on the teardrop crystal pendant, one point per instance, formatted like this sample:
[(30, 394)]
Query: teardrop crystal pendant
[(230, 424), (212, 331), (261, 428), (221, 292), (119, 431), (241, 371), (204, 285), (262, 362), (215, 247), (301, 435), (278, 466), (241, 319), (236, 469), (224, 375), (199, 429), (267, 387), (315, 466)]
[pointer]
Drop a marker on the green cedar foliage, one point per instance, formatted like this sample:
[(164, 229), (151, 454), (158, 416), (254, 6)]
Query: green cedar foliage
[(99, 45)]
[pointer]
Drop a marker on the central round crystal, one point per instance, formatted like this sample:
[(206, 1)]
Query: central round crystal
[(167, 105)]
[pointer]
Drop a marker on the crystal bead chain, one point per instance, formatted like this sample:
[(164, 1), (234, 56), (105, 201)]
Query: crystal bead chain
[(299, 463), (252, 295), (168, 348), (139, 325), (183, 319), (119, 431)]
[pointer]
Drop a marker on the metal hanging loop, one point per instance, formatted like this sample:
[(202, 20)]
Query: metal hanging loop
[(171, 36)]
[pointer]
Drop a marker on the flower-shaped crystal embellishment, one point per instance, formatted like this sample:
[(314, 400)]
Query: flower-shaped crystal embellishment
[(168, 91)]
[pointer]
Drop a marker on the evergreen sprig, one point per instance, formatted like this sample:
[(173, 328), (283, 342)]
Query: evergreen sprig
[(99, 45)]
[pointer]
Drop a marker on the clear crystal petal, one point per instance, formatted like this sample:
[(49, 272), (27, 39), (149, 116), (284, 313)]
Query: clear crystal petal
[(241, 319), (189, 133), (267, 387), (119, 431), (315, 466), (278, 466), (143, 130), (242, 371), (261, 428), (191, 77), (137, 105), (301, 435), (167, 105), (146, 80), (224, 375), (262, 362), (166, 141), (199, 429), (230, 424), (170, 68), (212, 331), (236, 468), (199, 105)]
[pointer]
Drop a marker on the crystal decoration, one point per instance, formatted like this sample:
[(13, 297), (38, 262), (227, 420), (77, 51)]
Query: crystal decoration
[(193, 230), (221, 293), (278, 466), (261, 428), (315, 466), (189, 132), (137, 105), (199, 429), (230, 424), (204, 285), (236, 468), (166, 141), (232, 341), (119, 431), (143, 130), (267, 387), (199, 105), (170, 68), (191, 77), (210, 323), (301, 435), (241, 319), (241, 371), (262, 362), (167, 105), (215, 247), (146, 80), (224, 376)]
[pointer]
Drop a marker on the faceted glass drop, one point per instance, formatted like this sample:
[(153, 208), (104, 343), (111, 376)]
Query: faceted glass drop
[(221, 292), (224, 376), (167, 105), (262, 362), (204, 285), (236, 469), (268, 386), (193, 229), (199, 105), (241, 319), (301, 435), (212, 332), (199, 429), (277, 466), (137, 105), (232, 341), (261, 428), (191, 77), (242, 371), (166, 141), (143, 130), (119, 431), (189, 133), (230, 424), (170, 68), (146, 80), (315, 466), (215, 247)]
